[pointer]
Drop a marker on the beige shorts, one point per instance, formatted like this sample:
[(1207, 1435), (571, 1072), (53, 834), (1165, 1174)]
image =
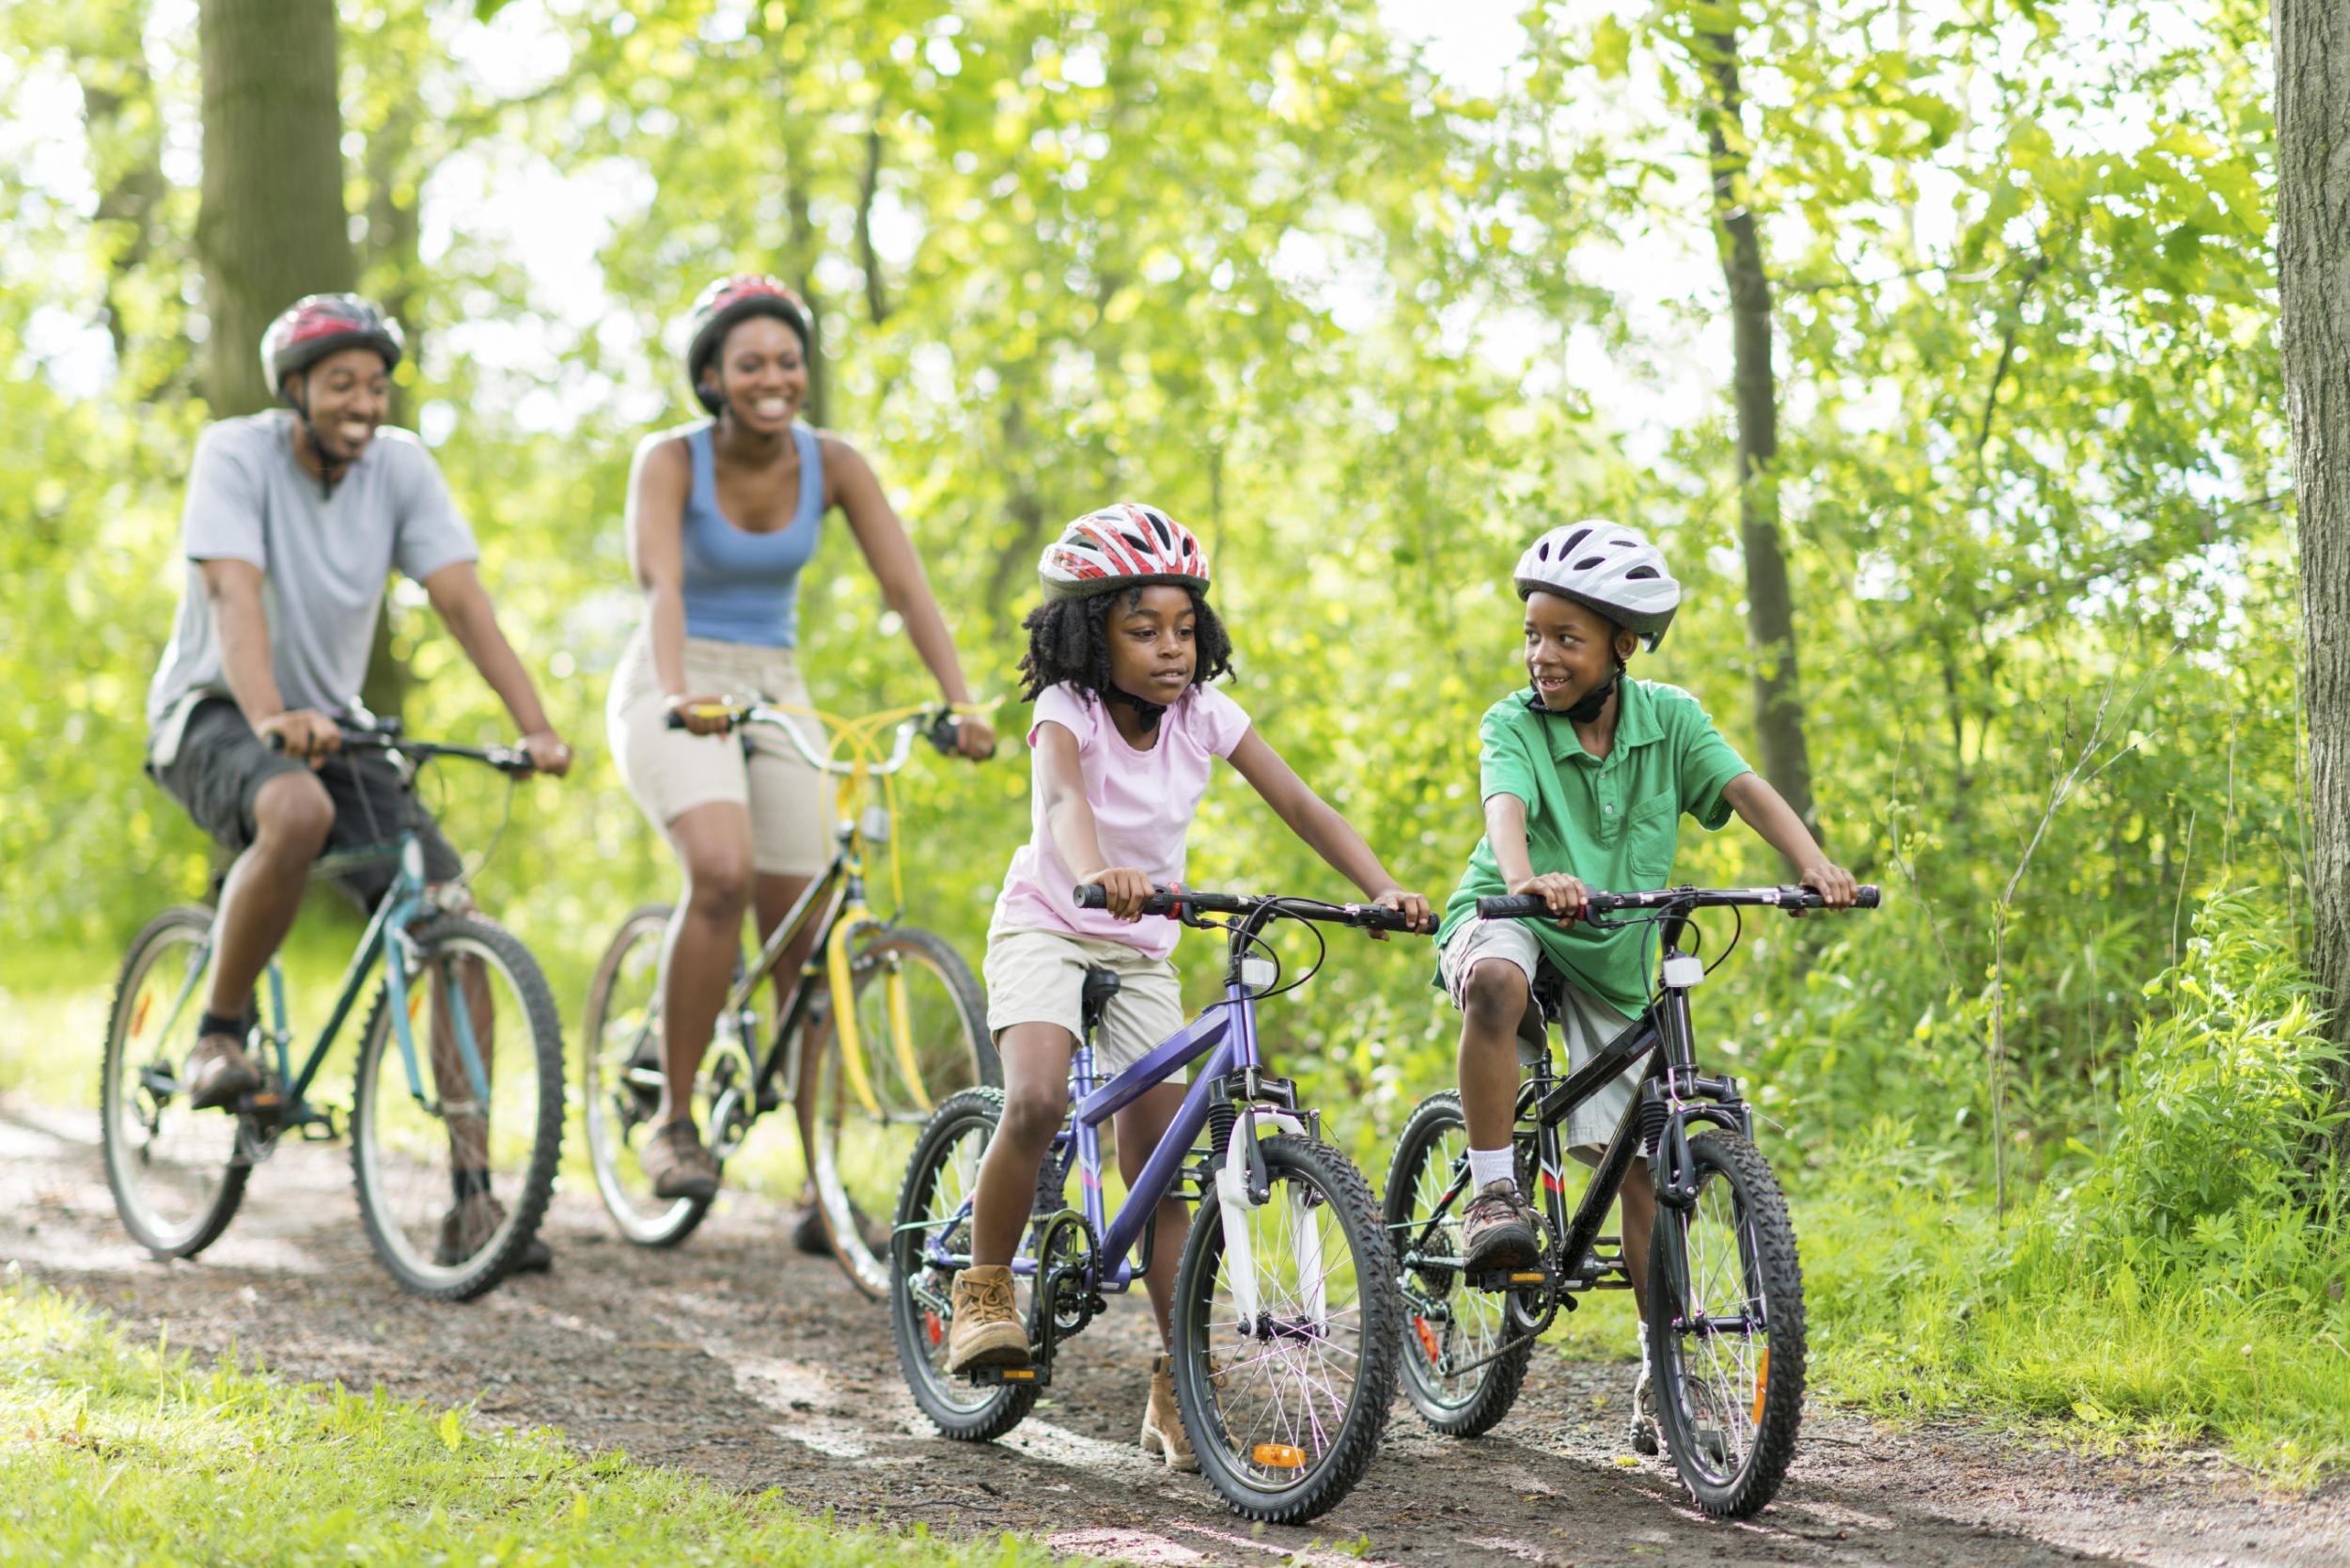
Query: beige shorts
[(1587, 1022), (669, 772), (1038, 977)]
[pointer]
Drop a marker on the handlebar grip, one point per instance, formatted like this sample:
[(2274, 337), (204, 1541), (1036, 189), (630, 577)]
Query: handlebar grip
[(1371, 917), (1092, 895), (1871, 895), (1511, 906), (675, 717)]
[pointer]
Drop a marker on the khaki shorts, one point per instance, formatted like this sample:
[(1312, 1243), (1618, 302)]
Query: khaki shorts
[(1038, 977), (1587, 1022), (669, 772)]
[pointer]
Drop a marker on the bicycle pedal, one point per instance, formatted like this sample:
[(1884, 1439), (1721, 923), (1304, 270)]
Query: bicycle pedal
[(1504, 1279), (1016, 1377)]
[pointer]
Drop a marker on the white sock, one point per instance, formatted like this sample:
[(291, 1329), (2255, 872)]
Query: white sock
[(1487, 1165), (1641, 1324)]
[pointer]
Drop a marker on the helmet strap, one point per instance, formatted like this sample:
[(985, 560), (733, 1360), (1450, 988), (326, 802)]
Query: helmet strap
[(329, 466), (1147, 712), (1588, 710)]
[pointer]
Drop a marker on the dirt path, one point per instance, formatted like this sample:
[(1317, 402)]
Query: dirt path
[(737, 1360)]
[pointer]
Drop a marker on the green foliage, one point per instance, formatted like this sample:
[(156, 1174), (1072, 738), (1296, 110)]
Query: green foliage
[(2189, 1286), (126, 1454)]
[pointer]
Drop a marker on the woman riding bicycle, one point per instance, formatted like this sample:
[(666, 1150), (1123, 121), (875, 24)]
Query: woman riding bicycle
[(723, 516)]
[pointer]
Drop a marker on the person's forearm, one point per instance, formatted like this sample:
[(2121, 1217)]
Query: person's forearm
[(664, 628), (245, 657), (1069, 821), (1505, 830), (1333, 838), (502, 668), (1765, 811)]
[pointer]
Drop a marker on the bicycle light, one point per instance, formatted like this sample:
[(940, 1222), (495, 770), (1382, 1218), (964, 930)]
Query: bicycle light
[(874, 824), (1256, 973), (1684, 970)]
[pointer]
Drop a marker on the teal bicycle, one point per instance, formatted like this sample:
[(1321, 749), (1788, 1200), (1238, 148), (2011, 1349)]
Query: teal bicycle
[(456, 1112)]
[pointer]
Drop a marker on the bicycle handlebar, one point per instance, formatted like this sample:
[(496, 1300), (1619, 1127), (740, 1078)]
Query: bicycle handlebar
[(936, 728), (510, 760), (1521, 906), (1175, 901)]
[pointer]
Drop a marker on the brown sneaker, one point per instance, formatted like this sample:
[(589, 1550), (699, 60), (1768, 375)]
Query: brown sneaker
[(1161, 1424), (677, 1163), (1498, 1229), (987, 1330), (469, 1224), (218, 1072)]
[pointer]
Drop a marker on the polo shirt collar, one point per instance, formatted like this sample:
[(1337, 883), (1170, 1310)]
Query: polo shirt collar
[(1636, 725)]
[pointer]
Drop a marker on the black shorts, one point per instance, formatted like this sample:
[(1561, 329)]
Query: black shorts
[(222, 764)]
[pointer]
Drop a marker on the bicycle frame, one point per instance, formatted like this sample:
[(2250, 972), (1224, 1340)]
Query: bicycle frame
[(385, 938)]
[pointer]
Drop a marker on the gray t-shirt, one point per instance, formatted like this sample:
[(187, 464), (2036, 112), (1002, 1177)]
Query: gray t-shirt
[(325, 560)]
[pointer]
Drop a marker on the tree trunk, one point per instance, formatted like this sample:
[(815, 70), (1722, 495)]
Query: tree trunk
[(272, 226), (394, 232), (125, 129), (2313, 281), (1770, 601)]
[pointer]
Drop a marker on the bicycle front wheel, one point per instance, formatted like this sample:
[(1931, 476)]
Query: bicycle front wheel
[(922, 1039), (1285, 1337), (1464, 1360), (176, 1173), (1725, 1329), (454, 1173)]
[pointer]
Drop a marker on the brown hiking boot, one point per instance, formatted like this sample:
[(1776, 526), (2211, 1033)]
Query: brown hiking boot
[(218, 1072), (1161, 1424), (987, 1330), (1498, 1229), (469, 1224), (676, 1162)]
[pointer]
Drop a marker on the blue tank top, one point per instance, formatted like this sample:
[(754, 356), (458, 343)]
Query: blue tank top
[(742, 586)]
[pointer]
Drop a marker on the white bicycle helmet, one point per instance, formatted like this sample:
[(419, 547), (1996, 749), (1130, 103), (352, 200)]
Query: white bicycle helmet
[(1607, 568), (1124, 544)]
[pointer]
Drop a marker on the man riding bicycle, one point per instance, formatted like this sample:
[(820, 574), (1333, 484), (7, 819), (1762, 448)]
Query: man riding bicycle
[(294, 518)]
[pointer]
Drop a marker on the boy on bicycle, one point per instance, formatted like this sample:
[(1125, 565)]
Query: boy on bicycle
[(1586, 776)]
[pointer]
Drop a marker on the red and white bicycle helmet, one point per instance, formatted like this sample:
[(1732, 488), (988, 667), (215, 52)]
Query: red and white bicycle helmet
[(317, 325), (727, 301), (1125, 544), (1607, 568)]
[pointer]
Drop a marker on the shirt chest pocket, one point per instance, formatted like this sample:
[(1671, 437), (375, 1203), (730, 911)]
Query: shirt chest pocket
[(1651, 835)]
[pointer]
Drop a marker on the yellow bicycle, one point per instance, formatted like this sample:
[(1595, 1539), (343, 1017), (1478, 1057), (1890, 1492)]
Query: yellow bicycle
[(913, 1032)]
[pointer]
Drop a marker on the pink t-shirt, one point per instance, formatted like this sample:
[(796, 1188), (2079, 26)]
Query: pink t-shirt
[(1142, 801)]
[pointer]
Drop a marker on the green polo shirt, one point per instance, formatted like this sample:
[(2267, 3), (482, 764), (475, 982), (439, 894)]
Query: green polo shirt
[(1614, 822)]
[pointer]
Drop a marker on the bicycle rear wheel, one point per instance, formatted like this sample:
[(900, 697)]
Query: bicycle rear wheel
[(176, 1173), (453, 1181), (1285, 1358), (1725, 1330), (1459, 1369), (934, 1213), (922, 1037)]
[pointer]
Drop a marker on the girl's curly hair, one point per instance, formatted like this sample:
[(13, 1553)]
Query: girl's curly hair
[(1069, 640)]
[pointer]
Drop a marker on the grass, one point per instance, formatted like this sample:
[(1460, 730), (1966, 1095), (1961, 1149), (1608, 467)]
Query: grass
[(114, 1452)]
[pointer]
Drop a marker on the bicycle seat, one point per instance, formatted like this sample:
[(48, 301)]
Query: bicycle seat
[(1101, 985)]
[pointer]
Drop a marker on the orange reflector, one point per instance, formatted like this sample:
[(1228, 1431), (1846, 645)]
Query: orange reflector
[(929, 1322), (1279, 1456), (1761, 1382), (1533, 1279), (1427, 1337), (1019, 1374), (138, 1014), (416, 1004)]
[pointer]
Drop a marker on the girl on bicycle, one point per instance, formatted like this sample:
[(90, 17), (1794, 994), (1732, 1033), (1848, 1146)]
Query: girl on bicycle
[(1586, 776), (722, 518), (1125, 728)]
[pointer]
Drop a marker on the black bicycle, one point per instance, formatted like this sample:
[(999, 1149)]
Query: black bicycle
[(1725, 1288)]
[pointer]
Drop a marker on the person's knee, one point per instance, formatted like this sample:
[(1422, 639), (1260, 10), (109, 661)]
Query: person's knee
[(1032, 1116), (718, 887), (1494, 996), (293, 812)]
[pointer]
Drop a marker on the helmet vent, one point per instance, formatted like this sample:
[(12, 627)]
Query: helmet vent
[(1641, 573), (1589, 562), (1567, 546)]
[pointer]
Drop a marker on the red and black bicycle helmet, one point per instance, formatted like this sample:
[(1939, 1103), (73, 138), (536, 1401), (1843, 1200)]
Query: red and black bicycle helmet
[(317, 325), (730, 300)]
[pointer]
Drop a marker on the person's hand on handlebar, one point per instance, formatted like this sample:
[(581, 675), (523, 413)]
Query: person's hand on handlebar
[(975, 738), (1564, 894), (303, 732), (1123, 890), (548, 752), (1831, 881), (1414, 906), (690, 711)]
